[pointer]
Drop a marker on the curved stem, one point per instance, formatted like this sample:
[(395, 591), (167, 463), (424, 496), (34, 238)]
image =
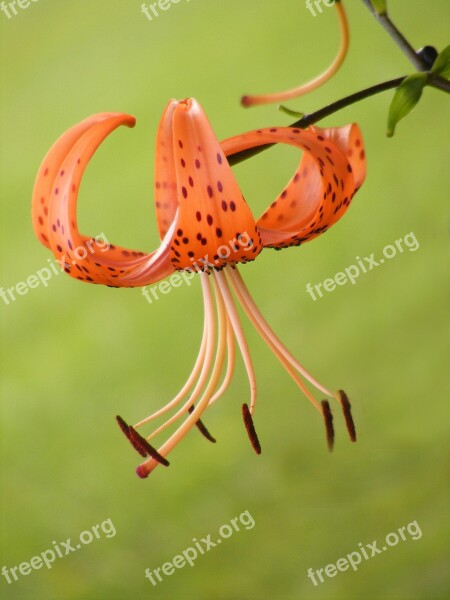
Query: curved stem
[(316, 116), (320, 114), (398, 38)]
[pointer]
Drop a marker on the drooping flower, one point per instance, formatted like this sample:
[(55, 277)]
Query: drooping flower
[(205, 226)]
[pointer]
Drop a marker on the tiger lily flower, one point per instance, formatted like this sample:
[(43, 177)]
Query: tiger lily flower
[(206, 227)]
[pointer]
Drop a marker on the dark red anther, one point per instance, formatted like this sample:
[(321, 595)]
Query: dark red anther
[(123, 426), (328, 418), (144, 448), (346, 409), (139, 443), (249, 426), (201, 427)]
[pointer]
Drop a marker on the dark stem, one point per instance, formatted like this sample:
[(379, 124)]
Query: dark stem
[(439, 82), (316, 116), (398, 38)]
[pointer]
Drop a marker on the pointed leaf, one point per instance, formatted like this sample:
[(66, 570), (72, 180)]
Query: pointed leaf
[(406, 97), (292, 113), (442, 64)]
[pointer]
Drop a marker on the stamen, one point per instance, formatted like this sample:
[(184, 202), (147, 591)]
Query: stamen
[(269, 336), (217, 368), (144, 469), (144, 448), (201, 427), (346, 409), (139, 443), (317, 81), (238, 332), (249, 426), (136, 443), (231, 356), (123, 426), (328, 418), (198, 366)]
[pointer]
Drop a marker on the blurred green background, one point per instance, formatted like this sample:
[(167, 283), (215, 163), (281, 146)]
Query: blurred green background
[(74, 355)]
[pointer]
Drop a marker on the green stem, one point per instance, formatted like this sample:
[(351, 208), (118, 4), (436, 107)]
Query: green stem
[(316, 116), (398, 37)]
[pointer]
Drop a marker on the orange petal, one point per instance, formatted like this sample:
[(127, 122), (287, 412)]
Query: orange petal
[(55, 198), (166, 201), (47, 173), (330, 172), (350, 141), (213, 217)]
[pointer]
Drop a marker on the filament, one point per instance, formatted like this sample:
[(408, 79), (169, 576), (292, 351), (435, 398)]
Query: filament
[(239, 333), (217, 368), (270, 337), (317, 81), (231, 356), (145, 468), (189, 383)]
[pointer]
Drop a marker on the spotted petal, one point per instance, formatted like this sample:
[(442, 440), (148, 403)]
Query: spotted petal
[(166, 201), (54, 213), (198, 182), (330, 172)]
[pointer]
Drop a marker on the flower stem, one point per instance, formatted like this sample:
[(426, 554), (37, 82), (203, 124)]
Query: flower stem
[(398, 38), (316, 116), (439, 82)]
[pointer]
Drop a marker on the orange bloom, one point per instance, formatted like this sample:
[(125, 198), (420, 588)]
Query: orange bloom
[(205, 226)]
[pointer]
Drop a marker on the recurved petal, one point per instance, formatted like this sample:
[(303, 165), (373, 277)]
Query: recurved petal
[(55, 198), (322, 187), (48, 171), (350, 140)]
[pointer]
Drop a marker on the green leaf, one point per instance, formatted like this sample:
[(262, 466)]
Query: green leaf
[(441, 65), (290, 112), (406, 97), (380, 6)]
